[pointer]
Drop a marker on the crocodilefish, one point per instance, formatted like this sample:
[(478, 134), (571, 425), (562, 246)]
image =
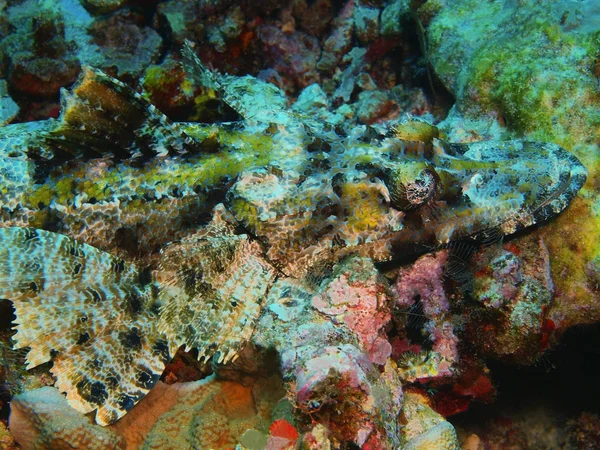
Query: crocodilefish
[(126, 236)]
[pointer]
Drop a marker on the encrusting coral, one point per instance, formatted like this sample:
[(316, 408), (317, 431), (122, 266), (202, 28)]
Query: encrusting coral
[(423, 283), (42, 419), (265, 231), (211, 412), (426, 429)]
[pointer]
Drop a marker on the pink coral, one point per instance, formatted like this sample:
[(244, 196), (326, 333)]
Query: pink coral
[(362, 305), (423, 281), (333, 336)]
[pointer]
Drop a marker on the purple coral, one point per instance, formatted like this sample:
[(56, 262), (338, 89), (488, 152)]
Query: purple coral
[(423, 282)]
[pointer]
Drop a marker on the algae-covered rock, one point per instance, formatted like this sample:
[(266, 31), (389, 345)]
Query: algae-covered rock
[(103, 6), (7, 442), (425, 429), (392, 16), (529, 62)]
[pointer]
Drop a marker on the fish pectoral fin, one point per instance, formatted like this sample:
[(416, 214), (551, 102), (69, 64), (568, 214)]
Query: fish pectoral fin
[(213, 289), (87, 311)]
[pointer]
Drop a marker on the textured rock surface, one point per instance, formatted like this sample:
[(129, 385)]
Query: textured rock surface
[(8, 108), (214, 413), (426, 429), (42, 419)]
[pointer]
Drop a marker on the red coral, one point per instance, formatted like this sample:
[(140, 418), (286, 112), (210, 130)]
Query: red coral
[(282, 428), (474, 384), (380, 48), (449, 404)]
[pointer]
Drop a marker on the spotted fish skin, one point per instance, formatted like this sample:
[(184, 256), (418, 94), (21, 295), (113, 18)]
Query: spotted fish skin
[(90, 312), (136, 269), (212, 289)]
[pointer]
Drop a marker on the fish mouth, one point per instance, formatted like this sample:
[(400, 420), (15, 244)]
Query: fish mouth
[(572, 177)]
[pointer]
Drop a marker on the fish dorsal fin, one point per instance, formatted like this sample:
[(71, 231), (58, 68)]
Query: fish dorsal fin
[(103, 116), (251, 98), (89, 312)]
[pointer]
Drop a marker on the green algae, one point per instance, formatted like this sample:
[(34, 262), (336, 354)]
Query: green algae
[(533, 72)]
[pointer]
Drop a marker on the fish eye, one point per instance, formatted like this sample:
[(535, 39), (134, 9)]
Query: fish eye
[(411, 185)]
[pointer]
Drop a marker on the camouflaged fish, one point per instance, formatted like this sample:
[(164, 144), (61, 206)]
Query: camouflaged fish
[(125, 236)]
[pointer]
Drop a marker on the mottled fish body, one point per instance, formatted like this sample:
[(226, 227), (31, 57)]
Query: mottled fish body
[(125, 236)]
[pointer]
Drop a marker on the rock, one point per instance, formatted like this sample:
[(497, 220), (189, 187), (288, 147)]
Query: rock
[(103, 6), (8, 108), (311, 98), (127, 46), (392, 17), (42, 419), (366, 22), (425, 429)]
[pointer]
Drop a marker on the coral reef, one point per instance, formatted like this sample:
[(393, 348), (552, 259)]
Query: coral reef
[(425, 429), (334, 359), (7, 441), (41, 58), (423, 283), (584, 431), (238, 195), (8, 108), (293, 46), (516, 289), (326, 308), (214, 413), (43, 419), (361, 304), (127, 47)]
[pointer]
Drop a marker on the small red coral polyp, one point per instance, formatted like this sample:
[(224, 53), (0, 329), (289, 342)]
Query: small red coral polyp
[(282, 428)]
